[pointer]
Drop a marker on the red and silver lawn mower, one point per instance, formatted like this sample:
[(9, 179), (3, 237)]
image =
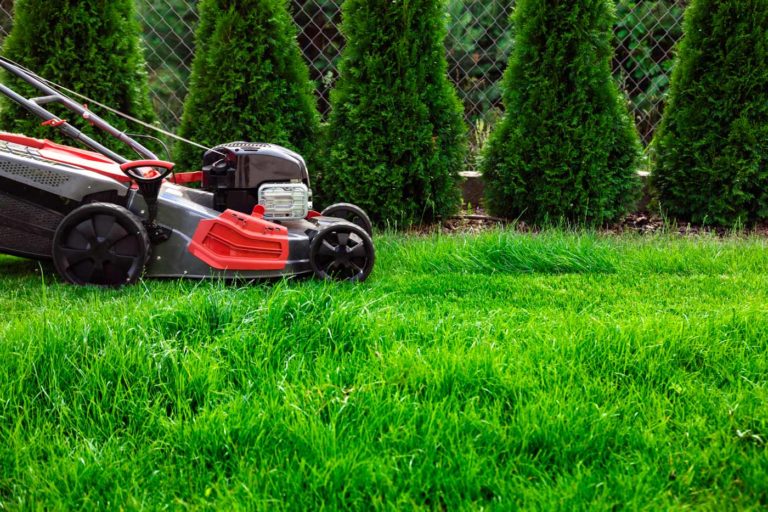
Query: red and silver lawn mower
[(106, 220)]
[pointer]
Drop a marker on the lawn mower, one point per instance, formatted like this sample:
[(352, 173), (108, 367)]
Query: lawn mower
[(106, 220)]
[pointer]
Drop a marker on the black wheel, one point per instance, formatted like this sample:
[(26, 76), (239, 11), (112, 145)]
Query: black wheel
[(102, 244), (342, 251), (350, 213)]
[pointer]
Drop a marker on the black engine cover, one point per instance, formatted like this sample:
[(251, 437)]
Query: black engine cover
[(235, 171)]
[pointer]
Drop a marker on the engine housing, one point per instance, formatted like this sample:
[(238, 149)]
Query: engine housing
[(235, 172)]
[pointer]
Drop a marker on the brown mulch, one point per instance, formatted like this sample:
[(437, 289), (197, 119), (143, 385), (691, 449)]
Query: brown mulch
[(642, 223), (648, 223)]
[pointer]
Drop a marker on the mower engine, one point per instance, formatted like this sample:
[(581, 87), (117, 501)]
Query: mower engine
[(242, 175)]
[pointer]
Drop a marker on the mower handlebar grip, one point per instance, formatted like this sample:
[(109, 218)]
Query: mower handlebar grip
[(147, 163)]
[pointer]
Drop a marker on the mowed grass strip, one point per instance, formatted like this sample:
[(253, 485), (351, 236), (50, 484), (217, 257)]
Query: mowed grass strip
[(551, 371)]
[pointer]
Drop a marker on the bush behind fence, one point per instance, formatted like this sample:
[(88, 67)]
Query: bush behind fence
[(478, 44)]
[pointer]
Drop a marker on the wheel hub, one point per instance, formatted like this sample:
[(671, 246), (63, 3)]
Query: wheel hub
[(342, 254), (100, 251)]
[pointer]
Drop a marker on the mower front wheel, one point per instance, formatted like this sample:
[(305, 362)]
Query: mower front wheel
[(342, 251), (101, 244)]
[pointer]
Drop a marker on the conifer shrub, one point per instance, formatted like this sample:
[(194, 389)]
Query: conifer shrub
[(92, 47), (396, 138), (711, 152), (248, 81), (566, 148)]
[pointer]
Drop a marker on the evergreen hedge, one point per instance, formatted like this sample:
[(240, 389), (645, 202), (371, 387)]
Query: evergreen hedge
[(712, 147), (248, 81), (397, 136), (566, 148), (92, 47)]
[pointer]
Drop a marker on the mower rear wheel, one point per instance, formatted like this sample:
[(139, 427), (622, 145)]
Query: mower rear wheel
[(350, 213), (342, 251), (101, 244)]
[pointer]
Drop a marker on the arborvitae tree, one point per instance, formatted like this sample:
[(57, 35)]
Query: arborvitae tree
[(397, 136), (92, 47), (248, 81), (566, 148), (712, 147)]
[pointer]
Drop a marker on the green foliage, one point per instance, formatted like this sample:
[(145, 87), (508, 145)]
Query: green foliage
[(92, 47), (566, 148), (396, 136), (712, 147), (506, 371), (248, 80)]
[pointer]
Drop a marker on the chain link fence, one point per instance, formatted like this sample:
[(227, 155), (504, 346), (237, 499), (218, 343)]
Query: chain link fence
[(478, 45)]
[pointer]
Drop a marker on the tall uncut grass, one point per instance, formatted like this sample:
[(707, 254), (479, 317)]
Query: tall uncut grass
[(502, 371)]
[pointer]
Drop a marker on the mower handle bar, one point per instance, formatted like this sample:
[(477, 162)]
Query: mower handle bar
[(52, 95)]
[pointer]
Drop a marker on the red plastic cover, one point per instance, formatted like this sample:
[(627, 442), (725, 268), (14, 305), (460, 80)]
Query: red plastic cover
[(184, 178), (235, 241)]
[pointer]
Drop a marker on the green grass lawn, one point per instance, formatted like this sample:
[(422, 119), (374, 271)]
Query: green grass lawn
[(553, 371)]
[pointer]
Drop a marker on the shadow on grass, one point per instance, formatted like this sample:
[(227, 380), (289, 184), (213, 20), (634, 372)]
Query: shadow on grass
[(11, 266)]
